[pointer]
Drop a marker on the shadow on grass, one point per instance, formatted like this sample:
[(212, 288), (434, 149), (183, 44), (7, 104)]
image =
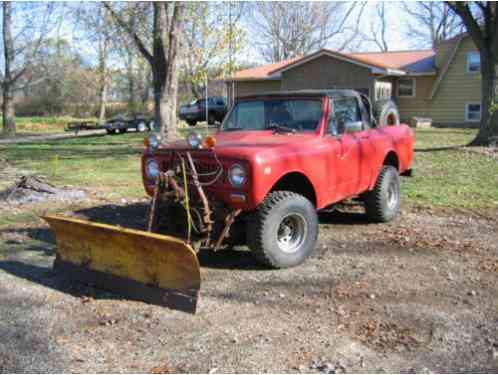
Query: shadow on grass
[(445, 148)]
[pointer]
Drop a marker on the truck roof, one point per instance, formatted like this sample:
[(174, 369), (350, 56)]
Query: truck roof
[(335, 93)]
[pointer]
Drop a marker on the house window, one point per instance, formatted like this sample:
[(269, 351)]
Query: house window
[(473, 112), (473, 62), (406, 87)]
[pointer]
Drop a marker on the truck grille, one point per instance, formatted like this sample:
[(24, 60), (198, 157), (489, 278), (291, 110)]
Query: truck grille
[(207, 167)]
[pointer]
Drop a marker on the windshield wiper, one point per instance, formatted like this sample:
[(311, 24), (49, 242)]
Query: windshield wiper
[(280, 127)]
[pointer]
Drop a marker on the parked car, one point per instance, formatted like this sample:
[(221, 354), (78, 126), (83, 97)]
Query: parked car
[(122, 123), (276, 160), (196, 111)]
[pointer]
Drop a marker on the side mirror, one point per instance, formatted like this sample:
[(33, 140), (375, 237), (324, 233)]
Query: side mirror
[(353, 126)]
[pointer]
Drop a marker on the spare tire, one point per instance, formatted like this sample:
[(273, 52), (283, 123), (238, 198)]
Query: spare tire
[(386, 113)]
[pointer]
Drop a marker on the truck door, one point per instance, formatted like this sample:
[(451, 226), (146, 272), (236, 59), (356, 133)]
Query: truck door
[(343, 158)]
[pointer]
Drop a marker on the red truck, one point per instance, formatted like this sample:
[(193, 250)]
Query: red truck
[(277, 160)]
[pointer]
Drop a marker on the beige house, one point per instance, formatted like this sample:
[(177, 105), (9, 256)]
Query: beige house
[(443, 84)]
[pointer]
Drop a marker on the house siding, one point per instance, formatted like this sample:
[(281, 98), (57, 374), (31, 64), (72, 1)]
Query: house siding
[(243, 88), (326, 72), (458, 87)]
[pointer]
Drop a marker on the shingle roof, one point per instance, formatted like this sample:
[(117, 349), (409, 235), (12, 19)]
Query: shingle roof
[(263, 71), (417, 61)]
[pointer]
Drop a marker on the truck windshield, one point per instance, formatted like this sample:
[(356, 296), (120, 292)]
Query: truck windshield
[(294, 115)]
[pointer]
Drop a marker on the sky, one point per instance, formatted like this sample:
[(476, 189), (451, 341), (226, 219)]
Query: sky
[(397, 39)]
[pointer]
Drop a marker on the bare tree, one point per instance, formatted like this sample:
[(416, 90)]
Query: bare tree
[(100, 34), (431, 22), (22, 36), (209, 37), (159, 44), (378, 29), (481, 20), (287, 29)]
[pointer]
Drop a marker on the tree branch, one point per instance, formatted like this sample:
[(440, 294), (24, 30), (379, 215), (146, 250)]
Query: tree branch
[(133, 35)]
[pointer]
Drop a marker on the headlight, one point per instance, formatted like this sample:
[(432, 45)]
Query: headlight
[(152, 169), (237, 175), (154, 141), (194, 140)]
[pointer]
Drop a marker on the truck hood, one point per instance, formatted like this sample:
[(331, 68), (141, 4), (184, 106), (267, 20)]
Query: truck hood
[(252, 144)]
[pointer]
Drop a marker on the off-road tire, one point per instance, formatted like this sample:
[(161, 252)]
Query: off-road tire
[(122, 131), (386, 113), (191, 122), (110, 131), (378, 204), (263, 229)]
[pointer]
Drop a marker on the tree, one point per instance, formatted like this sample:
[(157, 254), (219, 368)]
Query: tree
[(210, 34), (288, 29), (161, 50), (481, 21), (22, 36), (430, 22), (379, 28)]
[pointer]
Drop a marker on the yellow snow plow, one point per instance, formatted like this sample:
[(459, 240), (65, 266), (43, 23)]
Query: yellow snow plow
[(139, 265)]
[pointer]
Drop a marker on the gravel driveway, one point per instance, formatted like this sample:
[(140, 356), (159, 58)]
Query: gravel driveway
[(416, 295)]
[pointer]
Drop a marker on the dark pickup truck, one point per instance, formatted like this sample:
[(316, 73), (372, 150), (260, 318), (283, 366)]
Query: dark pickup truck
[(196, 111)]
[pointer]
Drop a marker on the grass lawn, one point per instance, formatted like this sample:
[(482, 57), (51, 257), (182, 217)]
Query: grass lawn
[(34, 125), (445, 174)]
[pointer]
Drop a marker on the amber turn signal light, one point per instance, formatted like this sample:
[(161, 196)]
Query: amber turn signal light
[(210, 141), (146, 142)]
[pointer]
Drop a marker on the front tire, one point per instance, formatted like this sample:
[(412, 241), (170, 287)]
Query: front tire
[(191, 122), (283, 230), (383, 202)]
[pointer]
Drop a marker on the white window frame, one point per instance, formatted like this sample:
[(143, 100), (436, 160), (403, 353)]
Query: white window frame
[(414, 85), (470, 53), (467, 119)]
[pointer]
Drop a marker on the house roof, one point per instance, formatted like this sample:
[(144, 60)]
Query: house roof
[(399, 62), (416, 61), (262, 71)]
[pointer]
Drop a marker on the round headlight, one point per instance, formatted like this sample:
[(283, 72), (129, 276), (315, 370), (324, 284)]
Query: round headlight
[(237, 175), (155, 140), (152, 169), (194, 140)]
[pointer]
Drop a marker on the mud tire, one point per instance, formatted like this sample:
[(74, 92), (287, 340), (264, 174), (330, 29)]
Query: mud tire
[(381, 206), (386, 113), (264, 228)]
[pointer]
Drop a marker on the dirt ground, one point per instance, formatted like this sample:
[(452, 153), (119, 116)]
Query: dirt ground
[(416, 295)]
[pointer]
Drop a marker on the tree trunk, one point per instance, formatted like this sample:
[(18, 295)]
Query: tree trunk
[(488, 130), (132, 102), (104, 47), (9, 120)]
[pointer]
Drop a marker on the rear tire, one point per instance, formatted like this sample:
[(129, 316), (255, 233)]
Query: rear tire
[(191, 122), (386, 113), (122, 131), (283, 230), (383, 202), (211, 119)]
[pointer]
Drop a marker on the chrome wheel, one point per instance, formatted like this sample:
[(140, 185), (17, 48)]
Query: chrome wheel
[(141, 127), (291, 233)]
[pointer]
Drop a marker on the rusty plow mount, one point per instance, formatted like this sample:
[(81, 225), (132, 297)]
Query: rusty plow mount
[(139, 265)]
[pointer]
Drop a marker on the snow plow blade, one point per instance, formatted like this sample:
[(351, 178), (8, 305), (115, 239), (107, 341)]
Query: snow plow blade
[(138, 265)]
